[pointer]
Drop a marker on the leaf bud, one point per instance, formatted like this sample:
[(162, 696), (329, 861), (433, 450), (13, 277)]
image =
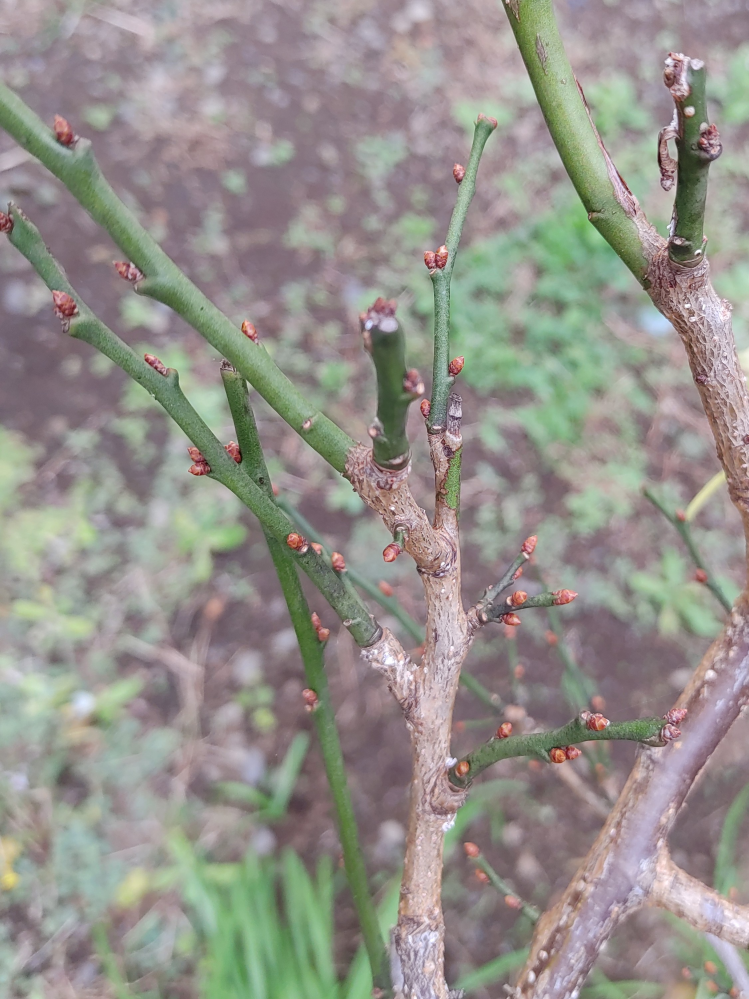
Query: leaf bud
[(558, 755), (63, 131), (513, 902), (232, 449), (391, 552), (700, 576), (481, 876), (430, 259), (65, 307), (128, 271), (572, 752), (551, 638), (426, 408), (199, 468), (156, 364), (562, 597), (338, 562), (513, 620), (598, 703), (249, 330), (462, 768), (471, 850), (440, 257), (456, 366), (323, 634), (517, 598), (505, 730), (385, 588), (310, 699), (596, 722), (529, 546), (297, 542), (316, 547), (6, 223), (413, 383), (486, 117), (459, 172), (676, 715), (669, 732), (195, 454)]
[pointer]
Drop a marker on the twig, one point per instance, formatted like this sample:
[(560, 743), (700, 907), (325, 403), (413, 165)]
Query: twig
[(313, 659), (735, 966), (544, 745), (685, 531), (477, 858), (163, 281), (164, 386), (441, 274), (698, 144)]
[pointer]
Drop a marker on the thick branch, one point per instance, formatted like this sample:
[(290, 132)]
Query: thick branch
[(698, 144), (441, 274), (83, 324), (397, 388), (704, 908), (78, 170), (313, 659)]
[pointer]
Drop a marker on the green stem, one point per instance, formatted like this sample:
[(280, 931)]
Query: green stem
[(442, 380), (392, 605), (85, 326), (538, 744), (698, 144), (685, 531), (313, 659), (577, 686), (504, 887), (78, 170), (396, 387), (589, 167)]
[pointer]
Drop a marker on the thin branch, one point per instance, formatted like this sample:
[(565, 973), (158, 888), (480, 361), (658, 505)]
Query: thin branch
[(397, 388), (441, 266), (685, 531), (163, 385), (511, 897), (78, 170), (313, 659), (698, 144), (702, 907), (610, 205), (553, 746)]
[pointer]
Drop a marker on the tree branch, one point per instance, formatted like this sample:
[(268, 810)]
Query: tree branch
[(313, 659), (441, 265), (397, 388), (544, 745), (702, 907), (78, 170), (163, 385), (698, 144)]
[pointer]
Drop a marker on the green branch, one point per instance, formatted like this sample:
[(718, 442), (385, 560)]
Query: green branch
[(595, 178), (397, 388), (84, 325), (480, 862), (685, 531), (313, 659), (697, 144), (441, 274), (78, 170), (540, 745)]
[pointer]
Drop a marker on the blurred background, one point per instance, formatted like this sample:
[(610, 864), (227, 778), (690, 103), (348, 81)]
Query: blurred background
[(295, 158)]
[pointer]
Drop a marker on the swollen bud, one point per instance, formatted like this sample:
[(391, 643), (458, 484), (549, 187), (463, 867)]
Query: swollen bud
[(513, 620), (456, 366), (413, 384), (700, 576), (249, 330), (6, 223), (156, 364), (459, 172), (338, 562), (297, 542), (572, 752), (471, 850), (676, 715), (595, 722), (232, 449), (529, 545), (426, 408), (462, 768), (563, 597), (310, 699), (65, 307), (505, 730), (317, 549), (430, 259), (63, 132), (481, 876), (391, 552), (486, 117), (440, 257), (670, 732), (513, 902), (128, 271), (199, 468), (385, 588), (517, 598), (558, 755)]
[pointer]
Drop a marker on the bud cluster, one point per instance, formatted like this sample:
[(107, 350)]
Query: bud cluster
[(201, 466), (322, 633), (310, 699), (297, 542), (563, 753), (128, 271), (65, 307)]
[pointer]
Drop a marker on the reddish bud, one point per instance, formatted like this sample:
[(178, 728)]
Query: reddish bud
[(155, 363), (232, 449), (440, 257), (249, 330), (426, 408), (199, 468), (710, 967), (315, 619), (519, 671), (296, 542), (596, 722), (6, 223), (505, 730), (430, 259), (385, 588), (700, 576), (558, 755), (551, 638), (513, 902), (462, 768), (310, 699), (316, 547), (391, 552), (323, 634), (459, 172), (676, 715), (712, 986), (517, 598), (598, 703), (572, 752), (63, 132), (456, 366), (195, 454), (128, 271), (459, 726), (481, 876), (65, 307), (681, 515), (486, 117), (275, 490), (517, 573), (471, 850), (413, 384), (513, 620), (338, 562), (529, 545), (669, 733), (563, 597)]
